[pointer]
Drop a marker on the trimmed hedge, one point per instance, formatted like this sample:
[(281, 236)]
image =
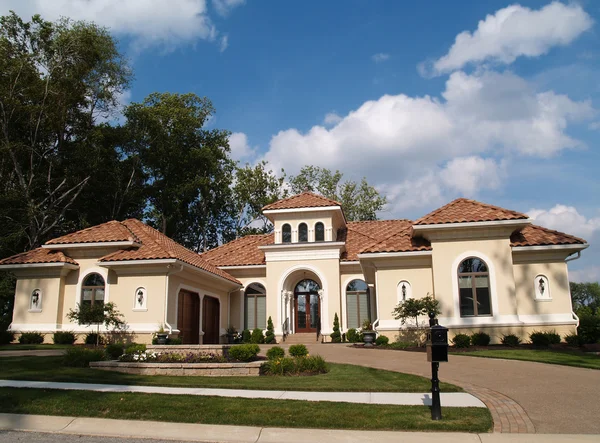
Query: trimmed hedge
[(382, 340), (298, 351), (510, 340), (295, 366), (246, 352), (461, 341), (275, 352), (480, 339), (544, 338), (31, 338), (573, 340), (353, 336), (257, 336), (64, 338)]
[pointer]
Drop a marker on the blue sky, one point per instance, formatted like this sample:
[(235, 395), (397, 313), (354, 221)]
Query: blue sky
[(429, 100)]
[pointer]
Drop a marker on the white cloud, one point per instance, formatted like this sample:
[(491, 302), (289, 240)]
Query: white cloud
[(240, 148), (380, 57), (566, 219), (332, 118), (594, 126), (512, 32), (397, 140), (224, 43), (585, 275), (147, 22), (224, 7)]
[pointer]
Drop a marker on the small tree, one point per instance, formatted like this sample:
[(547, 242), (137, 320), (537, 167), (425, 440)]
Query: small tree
[(97, 314), (336, 337), (416, 307), (270, 335)]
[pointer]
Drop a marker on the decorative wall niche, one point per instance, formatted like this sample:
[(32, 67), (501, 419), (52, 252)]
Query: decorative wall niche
[(140, 300), (404, 291), (35, 301), (542, 288)]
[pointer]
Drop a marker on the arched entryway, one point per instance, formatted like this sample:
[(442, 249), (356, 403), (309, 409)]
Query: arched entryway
[(211, 311), (307, 306)]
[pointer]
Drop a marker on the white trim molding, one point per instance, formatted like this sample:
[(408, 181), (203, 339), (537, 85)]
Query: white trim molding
[(394, 254), (40, 265), (93, 270), (471, 225), (573, 247)]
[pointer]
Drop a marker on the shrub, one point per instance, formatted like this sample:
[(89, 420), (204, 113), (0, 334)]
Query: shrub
[(311, 365), (295, 366), (480, 339), (135, 348), (573, 340), (298, 351), (510, 340), (270, 335), (115, 350), (461, 341), (31, 338), (92, 338), (81, 357), (544, 338), (353, 336), (246, 352), (278, 366), (275, 352), (246, 336), (382, 340), (6, 337), (589, 329), (257, 336), (336, 337), (403, 344), (175, 341), (63, 338)]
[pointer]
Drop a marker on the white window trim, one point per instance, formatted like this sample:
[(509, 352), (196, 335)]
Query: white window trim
[(493, 287), (535, 286), (263, 284), (314, 231), (93, 270), (344, 327)]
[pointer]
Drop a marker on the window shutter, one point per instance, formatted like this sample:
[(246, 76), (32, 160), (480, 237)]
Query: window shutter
[(250, 311), (352, 309), (363, 300), (261, 312)]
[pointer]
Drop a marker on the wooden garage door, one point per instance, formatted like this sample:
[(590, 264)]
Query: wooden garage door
[(210, 320), (188, 317)]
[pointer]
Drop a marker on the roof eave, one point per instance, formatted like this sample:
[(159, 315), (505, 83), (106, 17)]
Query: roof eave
[(64, 265), (567, 247), (518, 223), (118, 244)]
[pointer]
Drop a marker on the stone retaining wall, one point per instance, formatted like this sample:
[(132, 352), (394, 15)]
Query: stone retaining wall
[(178, 369), (196, 349)]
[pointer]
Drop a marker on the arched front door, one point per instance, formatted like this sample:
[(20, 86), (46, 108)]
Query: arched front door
[(307, 306)]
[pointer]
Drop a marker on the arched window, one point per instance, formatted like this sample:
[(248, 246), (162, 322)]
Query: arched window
[(302, 232), (255, 307), (92, 290), (474, 288), (286, 233), (358, 305), (319, 231)]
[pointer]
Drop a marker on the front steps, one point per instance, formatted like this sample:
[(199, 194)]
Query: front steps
[(301, 338)]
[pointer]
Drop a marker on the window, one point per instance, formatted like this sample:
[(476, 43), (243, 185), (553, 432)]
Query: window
[(404, 291), (474, 288), (358, 306), (319, 232), (286, 233), (302, 232), (542, 288), (92, 290), (255, 307), (35, 303)]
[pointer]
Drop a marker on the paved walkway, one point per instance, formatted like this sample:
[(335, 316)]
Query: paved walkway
[(251, 434), (33, 353), (451, 399), (522, 396)]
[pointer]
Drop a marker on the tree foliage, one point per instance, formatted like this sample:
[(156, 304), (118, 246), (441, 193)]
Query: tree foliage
[(585, 298), (98, 314), (413, 308), (360, 201)]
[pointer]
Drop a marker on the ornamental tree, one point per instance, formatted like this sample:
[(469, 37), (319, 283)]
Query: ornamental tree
[(98, 314)]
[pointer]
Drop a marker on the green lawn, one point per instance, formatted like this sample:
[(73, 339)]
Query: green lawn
[(543, 356), (19, 347), (238, 411), (339, 378)]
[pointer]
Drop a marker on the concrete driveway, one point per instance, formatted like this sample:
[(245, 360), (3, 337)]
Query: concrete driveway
[(557, 399)]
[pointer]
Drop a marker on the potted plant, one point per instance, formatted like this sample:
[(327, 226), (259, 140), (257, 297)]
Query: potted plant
[(368, 333), (231, 334), (161, 335)]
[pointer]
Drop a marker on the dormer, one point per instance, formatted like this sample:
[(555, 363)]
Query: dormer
[(305, 218)]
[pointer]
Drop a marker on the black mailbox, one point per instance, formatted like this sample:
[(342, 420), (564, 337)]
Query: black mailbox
[(437, 344)]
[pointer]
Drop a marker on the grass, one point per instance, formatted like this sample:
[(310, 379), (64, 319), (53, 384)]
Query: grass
[(543, 356), (238, 411), (339, 378), (19, 347)]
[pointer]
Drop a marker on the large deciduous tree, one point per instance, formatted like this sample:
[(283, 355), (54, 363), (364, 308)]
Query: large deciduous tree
[(360, 201)]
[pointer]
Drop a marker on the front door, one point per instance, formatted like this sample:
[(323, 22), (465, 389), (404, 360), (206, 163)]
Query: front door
[(210, 320), (308, 312)]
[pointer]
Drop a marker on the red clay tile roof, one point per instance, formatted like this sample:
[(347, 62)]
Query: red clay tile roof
[(155, 245), (36, 256), (304, 200), (111, 231), (463, 210), (241, 252), (533, 235)]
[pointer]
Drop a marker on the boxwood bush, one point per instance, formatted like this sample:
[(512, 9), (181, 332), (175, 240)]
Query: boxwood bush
[(246, 336), (257, 336), (544, 338), (382, 340), (31, 338), (298, 351), (275, 352), (573, 340), (245, 352), (81, 357), (353, 336), (480, 339), (510, 340), (295, 366), (461, 341), (63, 338)]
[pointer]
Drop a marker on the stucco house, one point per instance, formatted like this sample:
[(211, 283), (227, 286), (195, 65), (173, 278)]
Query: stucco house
[(490, 268)]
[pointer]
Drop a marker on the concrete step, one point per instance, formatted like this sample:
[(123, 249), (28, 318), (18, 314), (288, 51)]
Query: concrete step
[(302, 338)]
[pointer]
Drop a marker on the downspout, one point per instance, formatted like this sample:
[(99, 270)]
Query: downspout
[(568, 259), (376, 322), (170, 271), (229, 306)]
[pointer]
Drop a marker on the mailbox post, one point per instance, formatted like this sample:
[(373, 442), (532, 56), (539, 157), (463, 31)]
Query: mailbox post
[(437, 351)]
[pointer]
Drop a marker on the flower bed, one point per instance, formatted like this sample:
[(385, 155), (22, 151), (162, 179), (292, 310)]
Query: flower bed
[(181, 369)]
